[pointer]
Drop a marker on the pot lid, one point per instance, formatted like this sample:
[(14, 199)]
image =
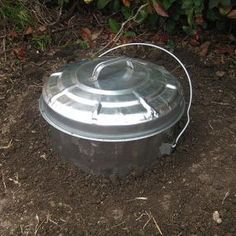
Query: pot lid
[(112, 99)]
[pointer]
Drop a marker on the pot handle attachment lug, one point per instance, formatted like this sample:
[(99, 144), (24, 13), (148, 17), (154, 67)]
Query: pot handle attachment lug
[(183, 67)]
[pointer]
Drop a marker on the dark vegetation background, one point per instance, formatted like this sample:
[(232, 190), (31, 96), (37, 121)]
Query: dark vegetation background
[(36, 20)]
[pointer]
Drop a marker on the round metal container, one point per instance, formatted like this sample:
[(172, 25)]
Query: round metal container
[(112, 115)]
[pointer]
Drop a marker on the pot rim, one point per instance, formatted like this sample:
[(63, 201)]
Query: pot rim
[(49, 120)]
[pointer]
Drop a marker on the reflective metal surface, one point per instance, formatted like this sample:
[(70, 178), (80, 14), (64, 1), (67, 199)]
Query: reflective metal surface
[(113, 158), (156, 47), (112, 99)]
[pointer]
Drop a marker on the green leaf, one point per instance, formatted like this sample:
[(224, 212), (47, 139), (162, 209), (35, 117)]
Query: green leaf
[(189, 30), (159, 9), (114, 25), (167, 3), (213, 3), (176, 16), (170, 45), (116, 5), (225, 3), (152, 20), (212, 15), (142, 16), (189, 14), (170, 26), (83, 44), (198, 3), (221, 25), (187, 4), (130, 34), (102, 3), (126, 11), (63, 2)]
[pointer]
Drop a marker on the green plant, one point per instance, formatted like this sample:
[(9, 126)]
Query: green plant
[(83, 44), (62, 2), (16, 14), (170, 15), (42, 42)]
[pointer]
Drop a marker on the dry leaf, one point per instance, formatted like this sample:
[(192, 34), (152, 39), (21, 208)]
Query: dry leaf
[(199, 20), (150, 8), (197, 35), (127, 2), (220, 73), (86, 34), (194, 42), (204, 48), (159, 9), (225, 50), (96, 34), (225, 10), (42, 28), (88, 1), (28, 31), (19, 53), (232, 14), (13, 34), (163, 38)]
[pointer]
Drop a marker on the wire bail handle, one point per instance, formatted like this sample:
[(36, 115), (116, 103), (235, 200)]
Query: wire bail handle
[(182, 65)]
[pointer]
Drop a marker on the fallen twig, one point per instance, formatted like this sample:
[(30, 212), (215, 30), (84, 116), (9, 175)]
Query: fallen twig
[(43, 18), (7, 146), (221, 103), (226, 195), (210, 125), (5, 36), (179, 66), (38, 226), (138, 198), (150, 217), (58, 17), (157, 226), (119, 33), (39, 64), (143, 214), (98, 22), (2, 77), (114, 226), (3, 182), (4, 48), (16, 180), (5, 51)]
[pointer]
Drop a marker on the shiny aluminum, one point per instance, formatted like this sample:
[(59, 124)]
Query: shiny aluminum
[(113, 158), (112, 115), (112, 99)]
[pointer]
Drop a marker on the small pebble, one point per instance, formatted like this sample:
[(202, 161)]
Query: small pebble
[(220, 73), (117, 214), (95, 192), (52, 203), (216, 217)]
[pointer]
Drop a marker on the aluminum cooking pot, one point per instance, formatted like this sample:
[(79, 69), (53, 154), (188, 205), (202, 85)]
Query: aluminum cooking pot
[(114, 115)]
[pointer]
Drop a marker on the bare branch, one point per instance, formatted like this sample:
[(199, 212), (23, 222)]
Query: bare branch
[(119, 33)]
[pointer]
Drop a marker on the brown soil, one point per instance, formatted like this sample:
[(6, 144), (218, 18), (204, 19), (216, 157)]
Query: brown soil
[(41, 195)]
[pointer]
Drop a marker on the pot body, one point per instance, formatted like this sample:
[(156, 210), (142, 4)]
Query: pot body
[(113, 158)]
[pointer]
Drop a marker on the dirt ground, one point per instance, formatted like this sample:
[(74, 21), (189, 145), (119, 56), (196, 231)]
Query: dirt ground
[(42, 195)]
